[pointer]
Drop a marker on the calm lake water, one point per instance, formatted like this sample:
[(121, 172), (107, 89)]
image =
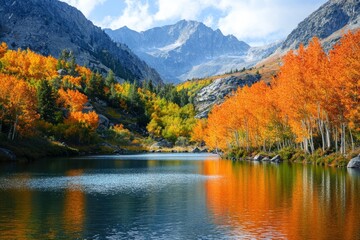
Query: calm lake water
[(176, 196)]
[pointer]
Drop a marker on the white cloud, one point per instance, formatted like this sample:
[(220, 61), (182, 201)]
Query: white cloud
[(180, 9), (85, 6), (136, 16), (209, 21), (249, 20), (254, 21)]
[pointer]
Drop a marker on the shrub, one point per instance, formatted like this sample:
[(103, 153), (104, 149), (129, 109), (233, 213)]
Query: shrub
[(286, 153), (182, 142)]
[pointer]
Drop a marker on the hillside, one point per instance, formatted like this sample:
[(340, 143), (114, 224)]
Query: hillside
[(53, 107), (50, 26)]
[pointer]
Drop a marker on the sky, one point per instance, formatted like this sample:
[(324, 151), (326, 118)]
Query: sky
[(257, 22)]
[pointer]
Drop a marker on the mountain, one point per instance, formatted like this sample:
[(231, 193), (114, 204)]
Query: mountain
[(328, 23), (187, 49), (226, 63), (50, 26)]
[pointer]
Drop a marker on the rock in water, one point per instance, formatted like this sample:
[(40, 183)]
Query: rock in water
[(354, 163)]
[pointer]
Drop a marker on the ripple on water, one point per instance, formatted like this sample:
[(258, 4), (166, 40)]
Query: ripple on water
[(104, 183)]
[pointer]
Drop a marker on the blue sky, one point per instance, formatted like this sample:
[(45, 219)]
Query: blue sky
[(256, 22)]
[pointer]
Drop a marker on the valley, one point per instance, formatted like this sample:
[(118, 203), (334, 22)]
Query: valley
[(179, 119), (125, 98)]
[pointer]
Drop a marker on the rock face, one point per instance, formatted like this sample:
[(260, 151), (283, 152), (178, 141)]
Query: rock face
[(327, 23), (354, 163), (215, 93), (189, 49), (50, 26), (103, 121)]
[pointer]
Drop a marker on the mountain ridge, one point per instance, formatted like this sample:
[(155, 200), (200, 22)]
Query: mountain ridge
[(50, 26), (185, 49), (334, 16)]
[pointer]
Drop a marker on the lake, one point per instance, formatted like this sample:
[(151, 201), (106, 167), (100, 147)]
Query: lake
[(176, 196)]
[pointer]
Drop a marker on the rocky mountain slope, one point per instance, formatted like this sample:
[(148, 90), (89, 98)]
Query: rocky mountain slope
[(328, 23), (216, 92), (50, 26), (188, 49)]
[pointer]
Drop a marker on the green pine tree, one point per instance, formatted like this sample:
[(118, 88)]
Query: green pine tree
[(110, 78), (47, 107)]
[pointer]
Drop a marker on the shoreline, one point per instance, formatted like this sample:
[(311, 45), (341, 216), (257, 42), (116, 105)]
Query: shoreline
[(30, 153), (319, 158)]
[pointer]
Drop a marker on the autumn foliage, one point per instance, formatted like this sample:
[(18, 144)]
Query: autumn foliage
[(32, 92), (56, 98), (314, 102), (18, 110)]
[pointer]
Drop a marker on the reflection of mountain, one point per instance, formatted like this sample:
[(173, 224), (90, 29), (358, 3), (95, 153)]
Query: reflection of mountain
[(280, 201)]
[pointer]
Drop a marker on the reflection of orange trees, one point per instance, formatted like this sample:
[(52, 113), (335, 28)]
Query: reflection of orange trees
[(74, 206), (19, 200), (280, 201)]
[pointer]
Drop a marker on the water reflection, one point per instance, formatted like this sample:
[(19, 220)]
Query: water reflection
[(284, 201), (139, 197), (74, 207)]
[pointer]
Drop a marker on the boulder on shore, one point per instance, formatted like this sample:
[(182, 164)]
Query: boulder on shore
[(276, 159), (196, 150), (266, 159), (258, 157), (162, 144), (354, 163)]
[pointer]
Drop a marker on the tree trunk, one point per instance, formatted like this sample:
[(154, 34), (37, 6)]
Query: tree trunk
[(306, 145), (322, 132), (352, 140), (328, 141), (14, 128), (312, 148), (328, 133), (343, 139), (321, 128), (336, 140)]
